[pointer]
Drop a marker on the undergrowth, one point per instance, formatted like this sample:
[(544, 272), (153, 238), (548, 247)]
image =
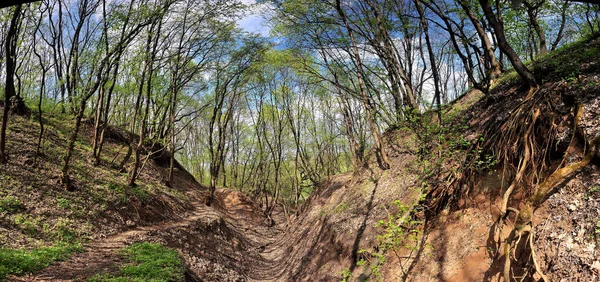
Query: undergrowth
[(19, 262), (147, 262), (36, 211), (444, 152), (400, 230)]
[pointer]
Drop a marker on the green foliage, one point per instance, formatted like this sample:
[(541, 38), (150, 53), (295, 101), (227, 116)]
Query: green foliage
[(28, 223), (63, 203), (10, 204), (346, 274), (149, 262), (399, 231), (123, 192), (63, 230), (398, 227), (341, 207), (566, 62), (19, 262)]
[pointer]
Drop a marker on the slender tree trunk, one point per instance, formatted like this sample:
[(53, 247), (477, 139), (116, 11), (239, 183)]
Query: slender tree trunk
[(42, 90), (133, 171), (150, 72), (380, 153), (98, 124), (516, 62), (494, 67), (434, 68), (395, 71), (172, 135), (563, 20), (106, 113), (532, 11), (65, 179), (9, 87)]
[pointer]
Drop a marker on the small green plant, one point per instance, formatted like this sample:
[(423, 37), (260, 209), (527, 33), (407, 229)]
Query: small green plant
[(340, 208), (19, 262), (116, 187), (398, 231), (27, 223), (590, 192), (10, 204), (64, 232), (138, 192), (63, 203), (346, 274), (149, 262)]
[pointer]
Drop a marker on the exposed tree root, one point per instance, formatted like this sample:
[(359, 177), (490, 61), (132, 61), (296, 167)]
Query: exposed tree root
[(523, 217)]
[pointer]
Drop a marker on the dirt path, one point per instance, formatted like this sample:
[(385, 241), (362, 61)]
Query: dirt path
[(236, 216)]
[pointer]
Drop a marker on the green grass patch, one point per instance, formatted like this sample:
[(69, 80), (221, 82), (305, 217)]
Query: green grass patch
[(149, 262), (566, 62), (10, 204), (19, 262)]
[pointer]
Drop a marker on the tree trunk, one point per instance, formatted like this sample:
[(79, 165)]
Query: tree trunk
[(532, 11), (9, 90), (494, 69), (380, 153), (65, 179), (434, 69), (516, 62)]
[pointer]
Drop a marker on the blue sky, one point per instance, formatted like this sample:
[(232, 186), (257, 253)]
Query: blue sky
[(255, 20)]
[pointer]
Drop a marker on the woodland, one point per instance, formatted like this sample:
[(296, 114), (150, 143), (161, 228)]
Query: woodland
[(109, 86)]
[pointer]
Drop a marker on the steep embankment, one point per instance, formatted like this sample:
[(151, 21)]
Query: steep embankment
[(542, 142)]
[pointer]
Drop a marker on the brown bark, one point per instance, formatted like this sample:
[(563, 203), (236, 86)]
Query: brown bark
[(380, 153), (396, 73), (532, 11), (9, 87), (150, 72), (65, 179), (498, 28), (563, 20), (45, 69), (434, 69), (494, 68)]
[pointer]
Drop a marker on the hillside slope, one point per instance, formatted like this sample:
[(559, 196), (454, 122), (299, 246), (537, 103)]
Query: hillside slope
[(374, 225)]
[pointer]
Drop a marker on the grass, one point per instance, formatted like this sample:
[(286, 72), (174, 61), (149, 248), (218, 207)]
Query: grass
[(566, 62), (148, 262), (563, 64), (36, 211), (19, 262), (10, 204)]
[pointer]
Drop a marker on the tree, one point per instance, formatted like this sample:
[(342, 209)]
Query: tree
[(44, 63), (9, 88), (95, 78), (514, 58), (229, 75), (380, 153)]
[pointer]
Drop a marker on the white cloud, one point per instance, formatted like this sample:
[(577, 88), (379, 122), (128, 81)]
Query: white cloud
[(255, 19)]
